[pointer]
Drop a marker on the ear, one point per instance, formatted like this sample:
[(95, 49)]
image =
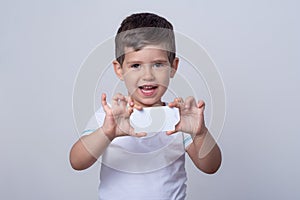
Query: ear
[(174, 67), (118, 69)]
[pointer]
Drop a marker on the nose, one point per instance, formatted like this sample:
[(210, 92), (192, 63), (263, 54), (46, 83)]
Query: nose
[(148, 73)]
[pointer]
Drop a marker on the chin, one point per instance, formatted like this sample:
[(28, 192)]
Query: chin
[(152, 103)]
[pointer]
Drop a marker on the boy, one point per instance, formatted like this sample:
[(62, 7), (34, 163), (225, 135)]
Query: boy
[(145, 165)]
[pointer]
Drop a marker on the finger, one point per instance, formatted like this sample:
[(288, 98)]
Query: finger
[(130, 110), (201, 104), (173, 103), (130, 101), (129, 104), (117, 98), (190, 102), (138, 107), (134, 134), (171, 132), (181, 104), (141, 134), (132, 104), (174, 131), (178, 102), (123, 102), (104, 103)]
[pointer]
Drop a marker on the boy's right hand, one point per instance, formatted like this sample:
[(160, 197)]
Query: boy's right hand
[(116, 122)]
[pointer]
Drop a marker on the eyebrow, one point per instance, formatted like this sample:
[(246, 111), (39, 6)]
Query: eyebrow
[(160, 61), (134, 62), (154, 61)]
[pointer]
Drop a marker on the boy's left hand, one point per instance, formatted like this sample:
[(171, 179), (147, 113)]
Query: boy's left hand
[(191, 116)]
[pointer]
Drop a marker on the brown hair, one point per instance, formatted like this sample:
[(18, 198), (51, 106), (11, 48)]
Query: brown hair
[(141, 29)]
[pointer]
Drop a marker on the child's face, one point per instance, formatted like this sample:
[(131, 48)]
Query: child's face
[(146, 74)]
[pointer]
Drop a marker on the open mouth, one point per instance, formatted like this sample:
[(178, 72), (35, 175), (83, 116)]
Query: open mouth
[(148, 90)]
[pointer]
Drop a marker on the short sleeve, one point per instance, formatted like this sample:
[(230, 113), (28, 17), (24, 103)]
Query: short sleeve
[(187, 140), (94, 122)]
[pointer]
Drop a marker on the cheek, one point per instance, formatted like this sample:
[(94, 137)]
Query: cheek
[(164, 78), (130, 82), (166, 82)]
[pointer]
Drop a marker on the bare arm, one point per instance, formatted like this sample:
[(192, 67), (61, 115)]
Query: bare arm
[(88, 149), (205, 153)]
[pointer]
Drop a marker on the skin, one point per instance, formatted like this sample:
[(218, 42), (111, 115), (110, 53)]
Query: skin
[(148, 67)]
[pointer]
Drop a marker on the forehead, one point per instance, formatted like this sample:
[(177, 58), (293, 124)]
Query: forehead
[(147, 53)]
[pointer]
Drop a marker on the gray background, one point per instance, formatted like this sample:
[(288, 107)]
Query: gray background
[(255, 45)]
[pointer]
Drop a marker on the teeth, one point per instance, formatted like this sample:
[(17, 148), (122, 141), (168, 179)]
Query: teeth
[(147, 87)]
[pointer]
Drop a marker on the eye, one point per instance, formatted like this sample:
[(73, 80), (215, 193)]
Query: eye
[(135, 66), (158, 65)]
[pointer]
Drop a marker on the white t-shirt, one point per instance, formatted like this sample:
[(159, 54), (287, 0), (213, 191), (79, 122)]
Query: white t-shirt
[(150, 167)]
